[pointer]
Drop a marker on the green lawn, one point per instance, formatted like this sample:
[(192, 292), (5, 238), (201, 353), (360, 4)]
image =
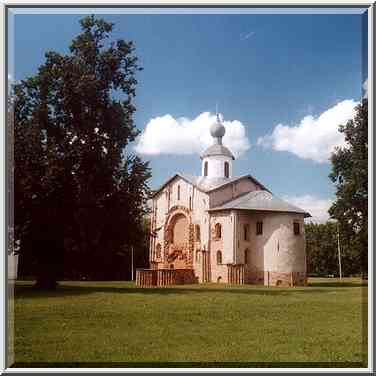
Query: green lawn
[(323, 324)]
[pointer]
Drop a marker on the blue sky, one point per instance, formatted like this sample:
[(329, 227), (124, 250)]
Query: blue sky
[(263, 70)]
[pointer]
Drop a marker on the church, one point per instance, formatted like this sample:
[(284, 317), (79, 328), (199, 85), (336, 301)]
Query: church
[(221, 228)]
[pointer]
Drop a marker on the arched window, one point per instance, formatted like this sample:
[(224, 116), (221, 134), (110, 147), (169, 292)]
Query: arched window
[(246, 232), (159, 251), (219, 257), (178, 192), (206, 168), (246, 256), (170, 193), (218, 231), (197, 256), (296, 228), (227, 170), (198, 233)]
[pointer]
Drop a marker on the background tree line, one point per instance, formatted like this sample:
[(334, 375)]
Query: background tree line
[(322, 251)]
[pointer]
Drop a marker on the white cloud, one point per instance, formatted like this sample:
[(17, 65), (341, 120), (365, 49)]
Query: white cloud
[(167, 135), (365, 88), (314, 137), (317, 207)]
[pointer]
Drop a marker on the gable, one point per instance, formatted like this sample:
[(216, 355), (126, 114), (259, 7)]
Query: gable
[(231, 191), (207, 185)]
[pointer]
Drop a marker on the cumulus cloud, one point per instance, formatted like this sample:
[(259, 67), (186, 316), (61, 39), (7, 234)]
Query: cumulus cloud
[(314, 137), (365, 88), (317, 207), (167, 135)]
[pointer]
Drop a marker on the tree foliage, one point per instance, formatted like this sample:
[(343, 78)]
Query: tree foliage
[(79, 195), (350, 176), (322, 251)]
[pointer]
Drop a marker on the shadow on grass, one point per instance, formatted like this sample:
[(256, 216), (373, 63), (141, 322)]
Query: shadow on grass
[(65, 289), (338, 284)]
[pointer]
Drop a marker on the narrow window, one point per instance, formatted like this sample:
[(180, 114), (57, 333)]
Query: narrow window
[(246, 232), (206, 169), (171, 235), (178, 192), (218, 231), (227, 170), (198, 233), (197, 256), (219, 257), (296, 228), (190, 203), (259, 228), (246, 256)]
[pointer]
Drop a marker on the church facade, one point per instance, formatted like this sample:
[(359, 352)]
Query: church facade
[(219, 228)]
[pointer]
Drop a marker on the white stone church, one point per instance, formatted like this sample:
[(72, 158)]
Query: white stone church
[(220, 228)]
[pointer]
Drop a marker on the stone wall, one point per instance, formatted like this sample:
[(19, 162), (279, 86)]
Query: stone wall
[(280, 279), (224, 244), (276, 254)]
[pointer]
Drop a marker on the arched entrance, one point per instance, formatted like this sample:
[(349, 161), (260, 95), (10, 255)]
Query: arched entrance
[(179, 239)]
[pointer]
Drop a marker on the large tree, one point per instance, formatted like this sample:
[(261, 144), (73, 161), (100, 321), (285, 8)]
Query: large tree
[(350, 175), (78, 191)]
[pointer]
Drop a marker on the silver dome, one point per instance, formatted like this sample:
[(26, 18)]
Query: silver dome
[(217, 130)]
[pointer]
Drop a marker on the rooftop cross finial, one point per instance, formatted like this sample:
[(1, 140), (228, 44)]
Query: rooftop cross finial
[(216, 112)]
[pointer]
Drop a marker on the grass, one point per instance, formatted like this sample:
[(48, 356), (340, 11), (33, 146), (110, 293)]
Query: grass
[(117, 324)]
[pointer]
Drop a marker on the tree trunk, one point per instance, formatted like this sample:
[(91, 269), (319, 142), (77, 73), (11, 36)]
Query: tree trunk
[(46, 277)]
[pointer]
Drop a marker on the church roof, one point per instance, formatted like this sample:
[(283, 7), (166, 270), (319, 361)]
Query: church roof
[(217, 149), (261, 201), (206, 184)]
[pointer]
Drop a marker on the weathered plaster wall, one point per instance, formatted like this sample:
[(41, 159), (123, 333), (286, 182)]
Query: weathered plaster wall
[(200, 217), (223, 244), (275, 257), (168, 199), (216, 167), (277, 251), (163, 202)]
